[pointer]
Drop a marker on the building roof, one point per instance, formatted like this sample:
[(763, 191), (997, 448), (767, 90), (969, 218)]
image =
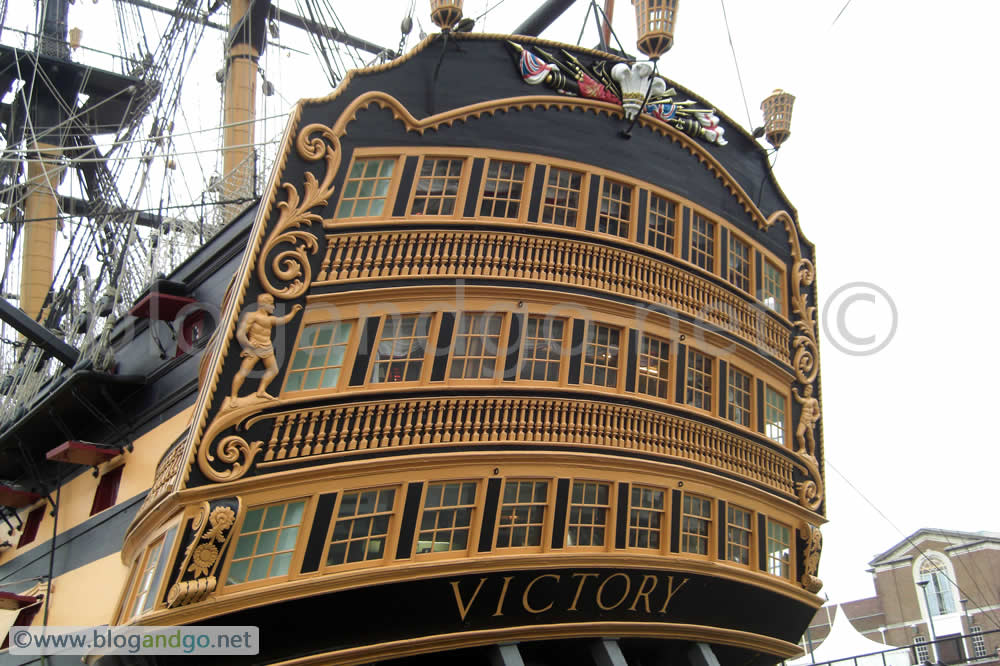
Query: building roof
[(901, 548)]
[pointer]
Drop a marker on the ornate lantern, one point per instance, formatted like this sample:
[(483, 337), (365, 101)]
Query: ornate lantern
[(446, 13), (777, 117), (655, 26)]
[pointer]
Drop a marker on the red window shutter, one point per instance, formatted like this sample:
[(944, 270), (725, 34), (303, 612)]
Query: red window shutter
[(107, 490), (31, 524)]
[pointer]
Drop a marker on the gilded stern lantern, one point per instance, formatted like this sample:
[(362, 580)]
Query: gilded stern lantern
[(491, 374)]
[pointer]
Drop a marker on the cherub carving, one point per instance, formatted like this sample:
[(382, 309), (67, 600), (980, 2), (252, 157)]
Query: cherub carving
[(254, 334), (807, 420)]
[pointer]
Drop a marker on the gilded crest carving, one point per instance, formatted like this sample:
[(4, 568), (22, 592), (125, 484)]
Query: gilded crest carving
[(810, 560), (211, 531)]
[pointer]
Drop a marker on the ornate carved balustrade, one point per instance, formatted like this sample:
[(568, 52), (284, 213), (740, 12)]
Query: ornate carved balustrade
[(374, 256), (315, 434)]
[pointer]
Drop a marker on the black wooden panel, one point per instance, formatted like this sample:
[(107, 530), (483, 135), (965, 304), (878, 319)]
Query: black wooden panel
[(408, 523), (723, 253), (686, 235), (513, 347), (633, 358), (475, 180), (681, 362), (559, 517), (443, 347), (405, 186), (593, 201), (621, 529), (576, 351), (675, 521), (365, 350), (642, 221), (723, 385), (721, 534), (537, 188), (799, 559), (760, 406), (489, 515), (762, 542), (758, 269), (318, 531)]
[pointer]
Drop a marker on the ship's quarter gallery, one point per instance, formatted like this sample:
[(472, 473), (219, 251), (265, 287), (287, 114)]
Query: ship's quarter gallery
[(493, 382)]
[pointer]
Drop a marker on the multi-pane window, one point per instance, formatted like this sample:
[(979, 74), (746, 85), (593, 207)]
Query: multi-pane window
[(702, 242), (319, 359), (477, 342), (696, 524), (978, 642), (362, 526), (779, 549), (923, 652), (266, 542), (522, 513), (366, 188), (562, 197), (771, 291), (437, 187), (654, 366), (600, 361), (147, 580), (738, 397), (662, 223), (646, 518), (543, 339), (739, 263), (502, 190), (738, 533), (698, 389), (447, 517), (774, 415), (399, 356), (588, 513), (616, 208), (940, 598)]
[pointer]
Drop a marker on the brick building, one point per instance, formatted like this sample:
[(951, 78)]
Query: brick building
[(941, 584)]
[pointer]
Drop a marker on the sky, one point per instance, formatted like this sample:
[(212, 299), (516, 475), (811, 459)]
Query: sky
[(887, 165)]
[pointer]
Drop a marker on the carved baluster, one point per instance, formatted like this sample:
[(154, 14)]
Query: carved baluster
[(272, 445), (354, 415), (324, 267), (448, 422), (475, 435), (285, 438), (321, 445), (307, 438), (397, 414)]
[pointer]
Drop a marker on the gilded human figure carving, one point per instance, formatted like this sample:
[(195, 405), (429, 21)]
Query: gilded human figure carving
[(254, 335), (807, 420)]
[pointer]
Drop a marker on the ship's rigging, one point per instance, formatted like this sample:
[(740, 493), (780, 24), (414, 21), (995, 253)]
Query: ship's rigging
[(112, 129)]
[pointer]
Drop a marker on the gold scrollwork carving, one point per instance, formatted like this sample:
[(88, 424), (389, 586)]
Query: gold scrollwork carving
[(292, 265), (805, 363), (813, 550), (233, 451), (190, 591)]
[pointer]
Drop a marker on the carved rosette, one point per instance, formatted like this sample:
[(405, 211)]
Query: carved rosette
[(211, 531), (813, 550)]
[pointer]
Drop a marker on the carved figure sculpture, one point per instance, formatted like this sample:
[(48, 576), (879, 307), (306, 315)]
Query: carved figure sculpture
[(254, 334), (807, 420)]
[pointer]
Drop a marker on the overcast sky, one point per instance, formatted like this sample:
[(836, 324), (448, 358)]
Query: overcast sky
[(887, 166)]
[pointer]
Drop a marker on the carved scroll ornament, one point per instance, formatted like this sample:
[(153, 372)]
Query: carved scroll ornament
[(805, 363)]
